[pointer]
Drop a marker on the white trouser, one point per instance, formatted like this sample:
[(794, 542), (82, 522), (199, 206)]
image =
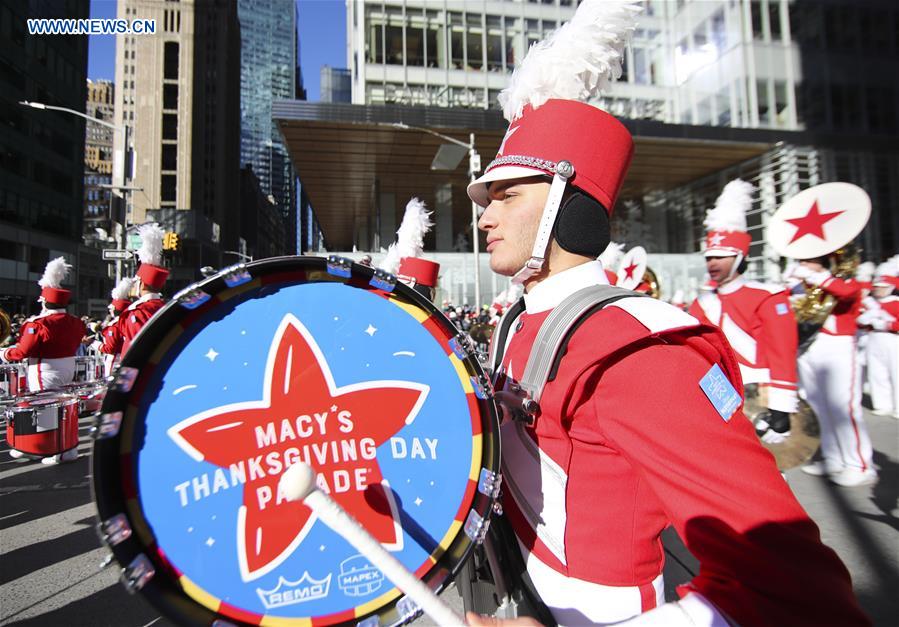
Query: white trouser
[(46, 374), (883, 370), (830, 378)]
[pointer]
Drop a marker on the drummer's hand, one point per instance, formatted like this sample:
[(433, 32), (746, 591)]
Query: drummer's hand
[(476, 620)]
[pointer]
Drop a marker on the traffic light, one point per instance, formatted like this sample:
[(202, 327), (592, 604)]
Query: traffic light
[(170, 241)]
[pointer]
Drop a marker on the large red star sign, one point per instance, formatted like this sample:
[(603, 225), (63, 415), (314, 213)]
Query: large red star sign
[(812, 223), (629, 270), (304, 416)]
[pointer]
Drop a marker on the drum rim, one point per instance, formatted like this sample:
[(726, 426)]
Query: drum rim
[(108, 481)]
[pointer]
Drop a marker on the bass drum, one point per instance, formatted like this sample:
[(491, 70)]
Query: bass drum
[(286, 359), (805, 433)]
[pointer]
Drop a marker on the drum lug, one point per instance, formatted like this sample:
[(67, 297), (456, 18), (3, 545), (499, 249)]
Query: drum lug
[(191, 297), (497, 508), (407, 609), (124, 378), (340, 266), (136, 575), (489, 483), (106, 425), (115, 530), (382, 280), (483, 389), (461, 346), (476, 526), (236, 275)]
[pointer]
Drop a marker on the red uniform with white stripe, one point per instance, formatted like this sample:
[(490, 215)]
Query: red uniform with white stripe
[(136, 316), (883, 359), (757, 320), (48, 342), (112, 344), (830, 376), (626, 444)]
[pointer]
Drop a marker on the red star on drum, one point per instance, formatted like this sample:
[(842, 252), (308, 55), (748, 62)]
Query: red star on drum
[(304, 416), (629, 270)]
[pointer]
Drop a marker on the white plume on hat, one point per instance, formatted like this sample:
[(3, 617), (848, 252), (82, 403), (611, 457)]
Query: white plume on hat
[(611, 256), (890, 267), (150, 250), (410, 236), (729, 212), (55, 273), (122, 289), (865, 271), (577, 61)]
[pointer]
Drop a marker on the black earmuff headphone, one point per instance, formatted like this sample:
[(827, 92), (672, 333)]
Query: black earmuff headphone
[(582, 226)]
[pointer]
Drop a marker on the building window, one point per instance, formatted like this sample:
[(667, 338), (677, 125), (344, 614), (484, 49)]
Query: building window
[(170, 60), (755, 10), (764, 111), (774, 20), (168, 184), (781, 104), (719, 30), (169, 96), (169, 126), (169, 157)]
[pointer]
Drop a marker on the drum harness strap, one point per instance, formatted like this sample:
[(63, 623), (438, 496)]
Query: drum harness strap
[(495, 581)]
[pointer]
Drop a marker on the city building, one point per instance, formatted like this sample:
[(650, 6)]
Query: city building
[(98, 157), (42, 156), (262, 227), (178, 93), (336, 85), (786, 94), (268, 71)]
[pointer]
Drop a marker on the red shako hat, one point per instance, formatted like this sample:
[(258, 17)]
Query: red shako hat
[(121, 294), (52, 291), (151, 271), (727, 234), (419, 271)]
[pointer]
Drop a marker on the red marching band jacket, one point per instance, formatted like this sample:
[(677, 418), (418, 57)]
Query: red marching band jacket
[(848, 294), (48, 342), (890, 305), (628, 443), (136, 316), (758, 322)]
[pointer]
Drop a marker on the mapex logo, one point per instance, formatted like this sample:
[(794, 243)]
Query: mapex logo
[(293, 592), (358, 577)]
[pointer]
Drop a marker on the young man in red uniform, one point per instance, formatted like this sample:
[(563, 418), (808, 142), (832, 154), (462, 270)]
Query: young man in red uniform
[(830, 376), (151, 277), (49, 340), (112, 340), (639, 428), (755, 317), (881, 320)]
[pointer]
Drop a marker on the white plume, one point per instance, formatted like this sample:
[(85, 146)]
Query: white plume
[(55, 273), (150, 250), (729, 213), (865, 271), (577, 61), (123, 289), (890, 267), (611, 256), (409, 237)]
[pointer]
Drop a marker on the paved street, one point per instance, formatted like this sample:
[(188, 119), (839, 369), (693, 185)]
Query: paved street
[(50, 556)]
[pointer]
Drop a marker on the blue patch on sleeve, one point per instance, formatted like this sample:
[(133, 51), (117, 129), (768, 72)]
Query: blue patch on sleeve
[(720, 392), (781, 309), (31, 330)]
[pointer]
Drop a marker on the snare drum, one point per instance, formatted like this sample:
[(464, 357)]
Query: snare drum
[(88, 368), (293, 358), (89, 394), (42, 424), (13, 380)]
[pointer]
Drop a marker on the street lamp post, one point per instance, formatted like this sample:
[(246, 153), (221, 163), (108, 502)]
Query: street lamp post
[(120, 173), (474, 166)]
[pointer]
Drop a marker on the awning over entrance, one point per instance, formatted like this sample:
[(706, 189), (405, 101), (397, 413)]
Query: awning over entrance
[(349, 156)]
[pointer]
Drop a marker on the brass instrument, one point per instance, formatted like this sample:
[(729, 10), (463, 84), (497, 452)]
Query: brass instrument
[(652, 281), (814, 306), (805, 433), (5, 325)]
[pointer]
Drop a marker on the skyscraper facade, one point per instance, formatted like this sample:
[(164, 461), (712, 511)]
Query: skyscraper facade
[(268, 71), (98, 158)]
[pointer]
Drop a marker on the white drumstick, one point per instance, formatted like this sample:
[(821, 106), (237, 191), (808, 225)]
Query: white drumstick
[(298, 483)]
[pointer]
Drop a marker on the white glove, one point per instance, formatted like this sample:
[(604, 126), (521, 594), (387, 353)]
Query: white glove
[(3, 354), (866, 318), (796, 271), (879, 324), (818, 278)]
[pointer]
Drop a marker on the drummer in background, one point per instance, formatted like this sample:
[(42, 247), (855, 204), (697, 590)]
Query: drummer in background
[(50, 340), (111, 338), (755, 317), (151, 277), (420, 274), (626, 442), (881, 320)]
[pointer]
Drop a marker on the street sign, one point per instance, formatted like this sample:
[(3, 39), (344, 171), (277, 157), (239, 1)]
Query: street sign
[(114, 254)]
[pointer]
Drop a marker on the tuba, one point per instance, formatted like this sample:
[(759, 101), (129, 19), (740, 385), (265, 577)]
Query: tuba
[(814, 306), (5, 325), (650, 284)]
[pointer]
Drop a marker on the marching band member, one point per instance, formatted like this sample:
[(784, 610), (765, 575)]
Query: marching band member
[(811, 227), (755, 317), (49, 340), (881, 319), (626, 441), (112, 339), (404, 256), (610, 259), (151, 278)]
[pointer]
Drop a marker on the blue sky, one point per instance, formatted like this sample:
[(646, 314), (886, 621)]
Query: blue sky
[(322, 27)]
